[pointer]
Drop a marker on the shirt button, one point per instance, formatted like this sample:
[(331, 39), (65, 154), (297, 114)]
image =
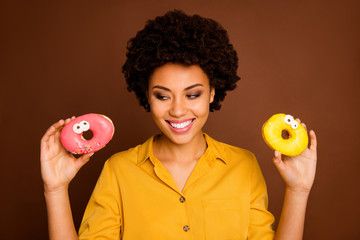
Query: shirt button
[(186, 228), (182, 199)]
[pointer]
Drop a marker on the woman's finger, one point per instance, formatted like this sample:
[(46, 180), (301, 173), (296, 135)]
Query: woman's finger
[(303, 124), (313, 140), (51, 131), (278, 161), (56, 138), (82, 160), (69, 119)]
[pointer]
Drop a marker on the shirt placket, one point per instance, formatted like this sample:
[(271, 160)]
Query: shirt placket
[(164, 175)]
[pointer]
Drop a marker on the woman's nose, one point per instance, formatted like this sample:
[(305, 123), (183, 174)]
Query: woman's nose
[(178, 108)]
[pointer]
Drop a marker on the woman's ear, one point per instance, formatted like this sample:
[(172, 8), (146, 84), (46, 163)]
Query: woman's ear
[(212, 94)]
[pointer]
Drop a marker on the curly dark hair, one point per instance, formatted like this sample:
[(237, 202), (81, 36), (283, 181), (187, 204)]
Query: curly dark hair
[(179, 38)]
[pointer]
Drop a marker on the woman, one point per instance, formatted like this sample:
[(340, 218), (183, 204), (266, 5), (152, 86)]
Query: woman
[(180, 184)]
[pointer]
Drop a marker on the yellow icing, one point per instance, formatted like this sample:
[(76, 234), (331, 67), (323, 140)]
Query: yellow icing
[(272, 134)]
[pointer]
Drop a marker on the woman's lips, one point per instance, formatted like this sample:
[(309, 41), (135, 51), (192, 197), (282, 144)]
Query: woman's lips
[(181, 126)]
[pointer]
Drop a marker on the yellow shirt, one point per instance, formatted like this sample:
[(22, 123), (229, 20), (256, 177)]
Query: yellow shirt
[(136, 198)]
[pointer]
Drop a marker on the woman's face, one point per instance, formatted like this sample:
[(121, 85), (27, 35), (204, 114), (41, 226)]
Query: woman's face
[(179, 98)]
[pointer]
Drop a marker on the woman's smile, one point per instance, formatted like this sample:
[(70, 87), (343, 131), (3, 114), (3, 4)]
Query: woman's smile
[(180, 126)]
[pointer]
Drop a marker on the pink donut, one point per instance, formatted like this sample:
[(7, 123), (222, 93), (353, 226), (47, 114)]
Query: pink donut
[(72, 134)]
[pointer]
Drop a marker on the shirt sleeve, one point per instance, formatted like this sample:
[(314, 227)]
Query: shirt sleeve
[(261, 219), (102, 217)]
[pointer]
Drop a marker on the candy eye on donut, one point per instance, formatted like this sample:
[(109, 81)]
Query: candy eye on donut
[(77, 128), (289, 119), (294, 124), (85, 125)]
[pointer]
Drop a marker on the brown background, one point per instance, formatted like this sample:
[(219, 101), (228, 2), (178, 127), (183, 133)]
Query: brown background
[(64, 58)]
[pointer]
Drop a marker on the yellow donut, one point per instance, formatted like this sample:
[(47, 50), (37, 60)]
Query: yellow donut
[(273, 129)]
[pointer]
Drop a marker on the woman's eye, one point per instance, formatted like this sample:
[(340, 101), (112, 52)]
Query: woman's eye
[(161, 97), (193, 96)]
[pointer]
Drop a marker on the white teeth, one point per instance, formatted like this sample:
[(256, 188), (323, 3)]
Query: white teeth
[(180, 125)]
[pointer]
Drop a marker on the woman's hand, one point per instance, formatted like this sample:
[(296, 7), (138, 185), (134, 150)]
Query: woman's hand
[(299, 172), (58, 167)]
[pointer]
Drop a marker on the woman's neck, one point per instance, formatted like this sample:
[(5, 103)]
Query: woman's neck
[(167, 151)]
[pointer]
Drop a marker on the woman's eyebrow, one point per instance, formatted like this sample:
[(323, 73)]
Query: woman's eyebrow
[(195, 85), (161, 87), (187, 88)]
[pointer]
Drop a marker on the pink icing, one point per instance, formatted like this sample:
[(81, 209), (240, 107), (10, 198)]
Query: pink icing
[(101, 127)]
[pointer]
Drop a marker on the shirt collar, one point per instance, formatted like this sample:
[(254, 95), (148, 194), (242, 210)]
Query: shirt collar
[(145, 151), (214, 148)]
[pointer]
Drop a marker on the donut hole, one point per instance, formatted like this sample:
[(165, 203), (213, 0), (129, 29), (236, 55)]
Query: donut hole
[(88, 135), (285, 134)]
